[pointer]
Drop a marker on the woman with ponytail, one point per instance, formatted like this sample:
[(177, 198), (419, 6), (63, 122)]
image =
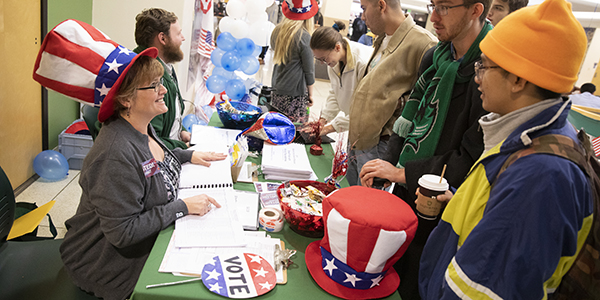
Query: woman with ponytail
[(294, 69)]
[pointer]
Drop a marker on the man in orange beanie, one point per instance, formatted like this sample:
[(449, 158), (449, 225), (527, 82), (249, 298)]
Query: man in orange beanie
[(514, 235)]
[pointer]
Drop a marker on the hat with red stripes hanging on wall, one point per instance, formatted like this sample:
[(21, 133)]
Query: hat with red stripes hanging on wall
[(79, 61), (366, 232)]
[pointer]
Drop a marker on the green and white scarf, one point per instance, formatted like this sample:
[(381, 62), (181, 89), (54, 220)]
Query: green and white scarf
[(425, 112)]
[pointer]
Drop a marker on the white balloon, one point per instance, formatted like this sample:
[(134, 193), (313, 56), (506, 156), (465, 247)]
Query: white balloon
[(269, 2), (255, 6), (239, 29), (259, 33), (236, 9), (261, 17), (225, 24)]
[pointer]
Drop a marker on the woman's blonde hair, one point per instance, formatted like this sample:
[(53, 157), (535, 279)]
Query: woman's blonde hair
[(288, 30), (144, 70)]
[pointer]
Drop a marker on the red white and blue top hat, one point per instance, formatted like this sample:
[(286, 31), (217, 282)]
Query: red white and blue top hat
[(366, 232), (79, 61), (299, 9)]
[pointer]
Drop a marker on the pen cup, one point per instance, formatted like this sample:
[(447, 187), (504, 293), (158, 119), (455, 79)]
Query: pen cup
[(429, 187)]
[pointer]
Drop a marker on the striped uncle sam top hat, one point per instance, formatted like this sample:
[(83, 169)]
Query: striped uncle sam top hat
[(79, 61), (366, 232), (299, 9)]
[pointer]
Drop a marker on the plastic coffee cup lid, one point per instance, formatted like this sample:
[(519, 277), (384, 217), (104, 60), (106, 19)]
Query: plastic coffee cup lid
[(432, 182)]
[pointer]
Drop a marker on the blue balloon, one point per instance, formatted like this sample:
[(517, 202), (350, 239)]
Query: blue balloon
[(208, 111), (189, 120), (216, 84), (224, 73), (257, 50), (245, 47), (215, 56), (235, 89), (249, 65), (230, 61), (51, 165), (226, 41)]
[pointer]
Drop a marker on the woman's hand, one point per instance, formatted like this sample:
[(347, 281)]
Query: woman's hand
[(200, 204), (382, 169), (186, 136), (202, 158), (327, 129)]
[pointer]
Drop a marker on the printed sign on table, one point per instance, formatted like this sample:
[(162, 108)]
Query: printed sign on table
[(239, 276)]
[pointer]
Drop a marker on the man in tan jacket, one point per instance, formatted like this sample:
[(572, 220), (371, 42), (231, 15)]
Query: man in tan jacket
[(391, 74)]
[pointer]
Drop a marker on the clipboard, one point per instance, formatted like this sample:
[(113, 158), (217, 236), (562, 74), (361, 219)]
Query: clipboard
[(284, 271)]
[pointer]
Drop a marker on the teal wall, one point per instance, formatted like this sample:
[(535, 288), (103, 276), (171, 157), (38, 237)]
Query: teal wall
[(62, 111)]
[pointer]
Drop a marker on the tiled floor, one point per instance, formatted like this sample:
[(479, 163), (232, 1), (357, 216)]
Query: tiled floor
[(67, 192)]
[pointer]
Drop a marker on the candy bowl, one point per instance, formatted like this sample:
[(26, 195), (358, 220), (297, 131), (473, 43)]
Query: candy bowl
[(237, 115), (301, 206)]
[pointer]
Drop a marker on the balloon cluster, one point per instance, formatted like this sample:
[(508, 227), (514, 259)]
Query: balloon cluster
[(238, 45)]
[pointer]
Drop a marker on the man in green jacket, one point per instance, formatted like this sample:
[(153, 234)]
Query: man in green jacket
[(156, 27)]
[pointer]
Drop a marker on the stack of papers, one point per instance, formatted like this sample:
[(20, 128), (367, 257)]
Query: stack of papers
[(286, 162), (189, 261)]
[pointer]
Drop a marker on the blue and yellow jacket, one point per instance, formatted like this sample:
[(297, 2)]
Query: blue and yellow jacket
[(517, 240)]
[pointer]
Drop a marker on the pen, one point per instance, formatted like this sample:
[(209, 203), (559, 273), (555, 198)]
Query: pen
[(173, 283)]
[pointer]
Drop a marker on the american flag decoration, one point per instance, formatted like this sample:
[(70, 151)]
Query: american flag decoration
[(596, 146), (205, 43), (239, 276)]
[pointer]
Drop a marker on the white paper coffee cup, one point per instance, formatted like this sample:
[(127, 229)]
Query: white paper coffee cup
[(429, 187)]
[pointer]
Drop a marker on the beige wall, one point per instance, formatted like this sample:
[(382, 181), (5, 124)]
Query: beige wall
[(336, 10), (590, 63), (119, 25)]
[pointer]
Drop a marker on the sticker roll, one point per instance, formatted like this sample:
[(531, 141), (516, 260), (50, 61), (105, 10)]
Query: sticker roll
[(270, 219)]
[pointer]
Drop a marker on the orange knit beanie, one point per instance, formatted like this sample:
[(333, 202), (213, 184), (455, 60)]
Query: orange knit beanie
[(544, 44)]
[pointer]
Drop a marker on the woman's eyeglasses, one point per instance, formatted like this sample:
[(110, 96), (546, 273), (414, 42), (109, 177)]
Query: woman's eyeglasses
[(154, 86)]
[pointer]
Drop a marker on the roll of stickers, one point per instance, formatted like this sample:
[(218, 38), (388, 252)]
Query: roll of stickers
[(270, 219)]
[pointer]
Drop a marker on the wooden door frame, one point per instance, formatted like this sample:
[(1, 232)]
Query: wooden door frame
[(44, 91)]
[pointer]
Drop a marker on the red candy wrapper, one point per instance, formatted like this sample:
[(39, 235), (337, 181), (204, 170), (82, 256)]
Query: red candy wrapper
[(339, 166), (316, 150), (300, 222)]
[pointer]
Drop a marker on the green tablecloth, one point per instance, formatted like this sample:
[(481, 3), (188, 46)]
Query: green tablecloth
[(300, 284)]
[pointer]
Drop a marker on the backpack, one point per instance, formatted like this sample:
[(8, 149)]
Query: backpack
[(23, 208), (582, 281)]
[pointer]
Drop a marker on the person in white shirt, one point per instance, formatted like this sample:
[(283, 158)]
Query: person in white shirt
[(586, 96), (346, 63)]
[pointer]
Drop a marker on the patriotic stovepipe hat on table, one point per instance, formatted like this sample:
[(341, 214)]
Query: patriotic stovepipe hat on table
[(366, 232), (299, 9), (79, 61)]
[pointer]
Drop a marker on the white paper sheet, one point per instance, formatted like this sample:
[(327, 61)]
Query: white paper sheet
[(190, 261), (286, 162), (220, 227), (208, 138)]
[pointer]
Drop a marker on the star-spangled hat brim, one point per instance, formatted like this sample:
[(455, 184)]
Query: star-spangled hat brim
[(107, 106), (313, 259), (285, 9)]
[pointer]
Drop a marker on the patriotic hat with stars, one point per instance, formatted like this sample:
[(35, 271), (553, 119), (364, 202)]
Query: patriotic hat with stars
[(79, 61), (366, 232), (299, 9)]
